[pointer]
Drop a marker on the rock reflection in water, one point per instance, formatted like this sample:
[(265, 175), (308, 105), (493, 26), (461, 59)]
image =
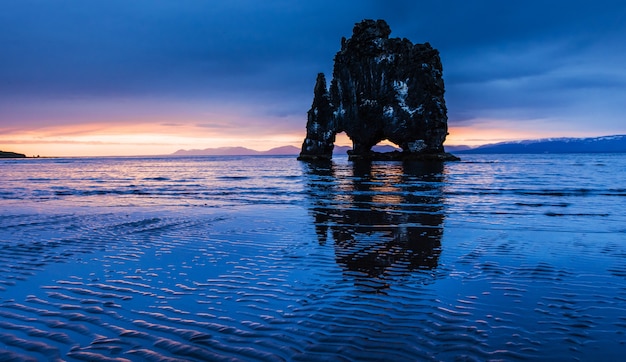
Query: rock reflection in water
[(385, 219)]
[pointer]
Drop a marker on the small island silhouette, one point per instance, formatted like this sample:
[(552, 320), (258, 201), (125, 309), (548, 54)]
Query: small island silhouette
[(4, 154)]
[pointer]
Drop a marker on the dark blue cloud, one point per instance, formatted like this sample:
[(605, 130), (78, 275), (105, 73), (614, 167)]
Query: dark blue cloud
[(514, 60)]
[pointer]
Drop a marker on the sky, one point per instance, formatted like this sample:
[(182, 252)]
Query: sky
[(143, 77)]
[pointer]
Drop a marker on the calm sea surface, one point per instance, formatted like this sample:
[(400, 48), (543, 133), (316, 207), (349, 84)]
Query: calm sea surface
[(497, 257)]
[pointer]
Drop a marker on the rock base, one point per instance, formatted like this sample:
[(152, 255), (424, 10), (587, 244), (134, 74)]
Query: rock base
[(402, 156), (313, 158)]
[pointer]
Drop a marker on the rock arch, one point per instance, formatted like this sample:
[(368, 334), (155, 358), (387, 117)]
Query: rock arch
[(382, 89)]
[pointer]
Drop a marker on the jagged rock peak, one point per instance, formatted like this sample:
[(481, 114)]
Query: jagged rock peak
[(370, 29), (382, 89)]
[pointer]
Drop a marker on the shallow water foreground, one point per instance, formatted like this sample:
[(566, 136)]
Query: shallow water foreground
[(266, 258)]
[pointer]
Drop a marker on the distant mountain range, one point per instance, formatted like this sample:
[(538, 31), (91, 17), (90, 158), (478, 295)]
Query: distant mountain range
[(608, 144), (278, 151), (238, 151)]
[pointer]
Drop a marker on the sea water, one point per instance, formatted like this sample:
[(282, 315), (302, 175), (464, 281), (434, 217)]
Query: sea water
[(496, 257)]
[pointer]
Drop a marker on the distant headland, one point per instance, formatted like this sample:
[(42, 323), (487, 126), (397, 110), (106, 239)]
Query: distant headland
[(4, 154)]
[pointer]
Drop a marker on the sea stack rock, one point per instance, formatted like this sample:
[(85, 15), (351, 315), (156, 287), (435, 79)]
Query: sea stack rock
[(382, 89)]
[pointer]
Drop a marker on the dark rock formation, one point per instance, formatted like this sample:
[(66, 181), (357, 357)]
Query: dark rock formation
[(321, 126), (382, 89), (4, 154)]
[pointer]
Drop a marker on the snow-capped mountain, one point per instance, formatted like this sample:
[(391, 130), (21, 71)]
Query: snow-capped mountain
[(606, 144)]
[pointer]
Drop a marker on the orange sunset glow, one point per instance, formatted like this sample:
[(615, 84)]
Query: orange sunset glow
[(140, 139), (133, 140)]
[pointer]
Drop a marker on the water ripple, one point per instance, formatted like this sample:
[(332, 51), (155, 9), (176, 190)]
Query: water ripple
[(282, 261)]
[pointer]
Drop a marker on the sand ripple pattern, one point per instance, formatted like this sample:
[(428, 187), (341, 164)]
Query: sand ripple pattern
[(352, 262)]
